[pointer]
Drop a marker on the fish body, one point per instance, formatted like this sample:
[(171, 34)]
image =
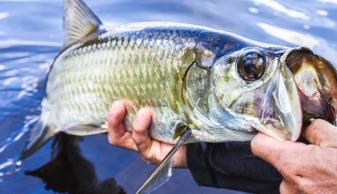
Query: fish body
[(203, 85), (221, 86), (145, 64)]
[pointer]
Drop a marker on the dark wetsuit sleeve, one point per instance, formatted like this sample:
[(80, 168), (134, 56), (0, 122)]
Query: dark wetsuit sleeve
[(231, 165)]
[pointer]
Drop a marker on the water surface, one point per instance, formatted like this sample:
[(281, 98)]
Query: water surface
[(31, 35)]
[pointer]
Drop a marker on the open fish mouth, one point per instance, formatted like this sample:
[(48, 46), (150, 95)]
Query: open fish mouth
[(290, 111), (273, 105), (295, 87), (316, 80), (281, 115)]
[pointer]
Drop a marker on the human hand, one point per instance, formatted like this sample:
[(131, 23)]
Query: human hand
[(305, 168), (139, 140)]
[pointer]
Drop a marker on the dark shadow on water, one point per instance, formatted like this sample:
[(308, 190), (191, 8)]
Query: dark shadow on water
[(68, 171)]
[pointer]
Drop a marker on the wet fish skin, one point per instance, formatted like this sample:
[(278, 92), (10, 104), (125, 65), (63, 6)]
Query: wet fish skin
[(212, 85), (191, 76), (129, 65)]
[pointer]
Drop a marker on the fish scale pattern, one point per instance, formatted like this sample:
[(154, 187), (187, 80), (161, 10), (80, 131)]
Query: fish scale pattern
[(146, 69)]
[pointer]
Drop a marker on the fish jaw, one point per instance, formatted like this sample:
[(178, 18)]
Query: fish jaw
[(269, 104), (281, 115), (316, 80)]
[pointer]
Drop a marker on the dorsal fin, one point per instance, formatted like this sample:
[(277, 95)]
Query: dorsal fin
[(79, 21)]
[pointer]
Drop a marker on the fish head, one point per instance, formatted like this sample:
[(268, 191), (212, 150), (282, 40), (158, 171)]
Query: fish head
[(253, 89), (316, 80)]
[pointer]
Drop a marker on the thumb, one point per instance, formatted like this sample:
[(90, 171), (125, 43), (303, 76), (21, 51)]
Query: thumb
[(321, 133), (285, 156)]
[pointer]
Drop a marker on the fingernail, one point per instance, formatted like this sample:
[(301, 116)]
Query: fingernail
[(139, 116), (142, 119), (142, 113), (114, 106)]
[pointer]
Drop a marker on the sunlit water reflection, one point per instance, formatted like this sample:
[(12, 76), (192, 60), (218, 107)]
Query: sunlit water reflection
[(31, 35)]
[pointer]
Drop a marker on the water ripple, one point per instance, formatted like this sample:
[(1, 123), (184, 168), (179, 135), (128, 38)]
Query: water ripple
[(19, 42), (253, 10), (3, 15), (322, 13), (289, 36), (329, 1), (282, 9), (31, 37)]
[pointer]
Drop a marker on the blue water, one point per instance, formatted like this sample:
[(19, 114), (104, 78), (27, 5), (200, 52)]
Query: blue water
[(31, 35)]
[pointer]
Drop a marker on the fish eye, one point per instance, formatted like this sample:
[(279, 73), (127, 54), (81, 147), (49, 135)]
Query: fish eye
[(251, 66)]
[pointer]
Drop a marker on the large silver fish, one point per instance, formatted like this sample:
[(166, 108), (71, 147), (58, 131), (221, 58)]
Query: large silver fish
[(202, 84)]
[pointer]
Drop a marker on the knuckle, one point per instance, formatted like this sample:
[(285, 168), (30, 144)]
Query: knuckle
[(283, 187), (320, 138), (287, 188), (286, 167), (322, 133), (315, 132), (137, 129), (303, 186), (142, 143), (314, 126), (329, 144), (145, 155), (317, 122), (112, 140), (138, 142), (288, 175), (138, 137)]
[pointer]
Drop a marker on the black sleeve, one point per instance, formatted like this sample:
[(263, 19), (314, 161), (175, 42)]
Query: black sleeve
[(231, 165)]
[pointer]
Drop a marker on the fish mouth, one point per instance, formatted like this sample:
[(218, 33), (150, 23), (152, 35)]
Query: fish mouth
[(305, 89), (316, 81), (280, 114), (274, 108)]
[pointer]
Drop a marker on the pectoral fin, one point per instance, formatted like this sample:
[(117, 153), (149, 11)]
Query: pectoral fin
[(164, 170)]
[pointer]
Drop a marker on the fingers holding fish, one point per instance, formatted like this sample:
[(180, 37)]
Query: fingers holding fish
[(322, 133), (283, 155), (152, 151), (305, 168), (140, 133), (117, 134)]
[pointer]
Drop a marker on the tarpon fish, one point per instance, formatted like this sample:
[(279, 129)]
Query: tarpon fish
[(203, 85)]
